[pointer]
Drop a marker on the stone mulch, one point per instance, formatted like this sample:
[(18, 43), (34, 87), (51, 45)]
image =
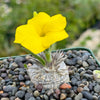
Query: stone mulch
[(15, 83)]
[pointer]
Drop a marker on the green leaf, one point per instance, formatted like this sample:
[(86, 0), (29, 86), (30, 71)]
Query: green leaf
[(25, 66), (41, 60)]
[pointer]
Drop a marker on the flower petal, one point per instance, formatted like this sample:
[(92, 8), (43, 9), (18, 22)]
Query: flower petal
[(53, 37), (26, 36), (56, 23), (39, 21)]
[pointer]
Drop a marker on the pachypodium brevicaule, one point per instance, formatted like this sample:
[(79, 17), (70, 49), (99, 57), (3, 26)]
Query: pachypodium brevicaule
[(37, 36)]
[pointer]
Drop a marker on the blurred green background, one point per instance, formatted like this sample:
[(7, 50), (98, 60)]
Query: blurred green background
[(80, 14)]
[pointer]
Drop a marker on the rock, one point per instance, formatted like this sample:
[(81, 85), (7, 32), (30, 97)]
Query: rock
[(84, 99), (85, 64), (97, 88), (95, 98), (8, 88), (22, 84), (12, 98), (79, 89), (92, 67), (32, 98), (3, 75), (14, 90), (4, 98), (39, 87), (79, 96), (87, 95), (27, 96), (85, 57), (65, 86), (86, 88), (36, 93), (19, 59), (3, 70), (4, 94), (20, 77), (27, 82), (88, 77), (18, 99), (20, 94), (71, 62), (38, 98), (68, 98), (74, 81), (79, 60), (99, 98), (62, 96), (45, 97), (91, 61)]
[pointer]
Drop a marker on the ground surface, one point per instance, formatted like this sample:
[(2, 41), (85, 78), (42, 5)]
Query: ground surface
[(90, 39)]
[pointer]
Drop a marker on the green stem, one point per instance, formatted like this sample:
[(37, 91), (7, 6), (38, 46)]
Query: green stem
[(42, 61), (48, 55)]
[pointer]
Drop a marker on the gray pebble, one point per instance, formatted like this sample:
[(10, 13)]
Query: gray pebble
[(31, 98), (20, 94), (20, 77), (97, 88), (79, 96)]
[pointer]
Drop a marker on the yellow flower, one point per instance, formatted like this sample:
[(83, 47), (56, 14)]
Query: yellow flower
[(41, 31)]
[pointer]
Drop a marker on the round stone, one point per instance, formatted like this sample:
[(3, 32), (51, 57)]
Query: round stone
[(97, 88), (36, 93), (20, 94), (20, 77)]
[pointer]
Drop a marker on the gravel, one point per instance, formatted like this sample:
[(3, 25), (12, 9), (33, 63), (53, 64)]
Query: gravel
[(15, 83)]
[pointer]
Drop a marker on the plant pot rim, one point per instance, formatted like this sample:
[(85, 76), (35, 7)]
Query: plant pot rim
[(65, 50)]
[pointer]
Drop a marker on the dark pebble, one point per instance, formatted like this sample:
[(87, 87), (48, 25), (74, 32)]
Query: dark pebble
[(68, 98), (87, 95), (4, 95)]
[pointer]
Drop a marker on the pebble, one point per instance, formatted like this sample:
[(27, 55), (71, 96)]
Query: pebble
[(20, 94), (27, 96), (79, 96), (5, 99), (85, 64), (3, 75), (15, 83), (12, 98), (65, 86), (62, 96), (45, 97), (86, 88), (79, 89), (95, 98), (31, 98), (36, 93), (20, 77), (97, 88), (68, 98), (87, 95)]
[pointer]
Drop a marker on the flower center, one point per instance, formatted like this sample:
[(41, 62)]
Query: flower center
[(42, 34)]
